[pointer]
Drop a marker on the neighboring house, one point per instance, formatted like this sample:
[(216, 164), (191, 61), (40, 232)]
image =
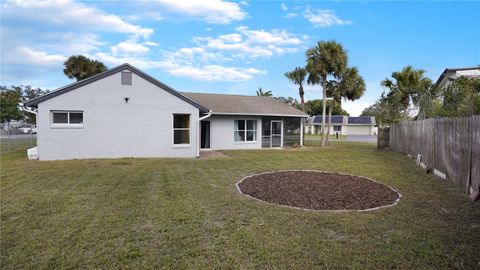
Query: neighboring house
[(123, 112), (451, 74), (344, 125)]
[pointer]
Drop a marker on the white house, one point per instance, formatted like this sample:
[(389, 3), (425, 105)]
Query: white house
[(344, 125), (451, 74), (124, 112)]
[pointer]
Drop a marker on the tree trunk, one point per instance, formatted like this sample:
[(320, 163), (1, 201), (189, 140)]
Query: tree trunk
[(324, 109), (330, 121), (302, 102), (302, 99)]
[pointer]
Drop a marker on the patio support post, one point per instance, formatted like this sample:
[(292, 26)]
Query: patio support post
[(199, 126), (301, 131)]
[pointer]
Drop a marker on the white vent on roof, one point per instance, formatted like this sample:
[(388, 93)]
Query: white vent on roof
[(126, 78)]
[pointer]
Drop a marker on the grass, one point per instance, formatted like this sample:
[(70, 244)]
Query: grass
[(187, 213)]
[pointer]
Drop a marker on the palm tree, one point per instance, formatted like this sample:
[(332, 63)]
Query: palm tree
[(260, 93), (328, 58), (407, 84), (81, 67), (297, 76), (425, 100), (350, 86)]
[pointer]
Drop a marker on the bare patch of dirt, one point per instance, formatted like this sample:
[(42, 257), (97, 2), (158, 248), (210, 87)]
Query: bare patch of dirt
[(318, 190), (211, 154)]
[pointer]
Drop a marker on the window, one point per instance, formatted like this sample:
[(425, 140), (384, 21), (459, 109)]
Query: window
[(126, 78), (74, 118), (337, 128), (245, 130), (181, 129)]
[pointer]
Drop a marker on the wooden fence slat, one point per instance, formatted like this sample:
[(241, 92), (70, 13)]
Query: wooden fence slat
[(449, 145), (475, 152)]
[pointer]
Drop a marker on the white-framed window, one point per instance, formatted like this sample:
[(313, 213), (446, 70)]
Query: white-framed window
[(67, 119), (181, 129), (126, 78), (337, 128), (245, 130)]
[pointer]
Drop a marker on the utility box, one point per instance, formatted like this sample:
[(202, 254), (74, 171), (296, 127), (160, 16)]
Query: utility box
[(32, 153)]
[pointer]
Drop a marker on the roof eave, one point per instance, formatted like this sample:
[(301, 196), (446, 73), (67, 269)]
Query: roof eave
[(259, 114)]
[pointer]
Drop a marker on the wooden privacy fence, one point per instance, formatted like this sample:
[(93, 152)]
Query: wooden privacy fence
[(449, 146)]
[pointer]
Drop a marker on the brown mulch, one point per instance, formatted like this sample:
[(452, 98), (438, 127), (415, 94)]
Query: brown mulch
[(318, 191)]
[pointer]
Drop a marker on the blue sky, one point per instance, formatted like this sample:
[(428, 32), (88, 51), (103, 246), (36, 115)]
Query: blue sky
[(235, 47)]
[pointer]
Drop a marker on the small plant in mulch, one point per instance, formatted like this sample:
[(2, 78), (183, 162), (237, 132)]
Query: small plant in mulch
[(318, 190)]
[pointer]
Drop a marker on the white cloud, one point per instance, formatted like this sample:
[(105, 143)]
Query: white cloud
[(215, 73), (38, 36), (252, 44), (211, 11), (189, 63), (26, 55), (142, 63), (291, 15), (284, 7), (129, 48), (324, 18), (66, 13)]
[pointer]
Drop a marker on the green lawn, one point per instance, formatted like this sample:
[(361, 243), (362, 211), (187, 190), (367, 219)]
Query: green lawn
[(186, 213)]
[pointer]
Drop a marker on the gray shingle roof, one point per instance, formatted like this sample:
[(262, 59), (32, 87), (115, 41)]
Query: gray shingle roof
[(338, 119), (238, 104)]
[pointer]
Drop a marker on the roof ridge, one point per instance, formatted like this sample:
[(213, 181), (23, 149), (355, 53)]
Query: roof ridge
[(223, 94)]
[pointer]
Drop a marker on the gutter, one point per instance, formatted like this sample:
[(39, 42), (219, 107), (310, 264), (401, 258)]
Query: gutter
[(198, 130), (25, 109)]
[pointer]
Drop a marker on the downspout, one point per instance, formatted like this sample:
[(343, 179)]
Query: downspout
[(27, 110), (34, 150), (198, 130)]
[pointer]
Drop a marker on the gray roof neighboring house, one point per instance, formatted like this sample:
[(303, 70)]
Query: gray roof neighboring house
[(225, 104), (217, 103), (336, 119), (362, 120), (344, 120)]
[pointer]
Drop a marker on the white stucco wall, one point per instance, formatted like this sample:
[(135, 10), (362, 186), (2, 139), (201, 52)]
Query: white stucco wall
[(346, 129), (222, 136), (112, 128)]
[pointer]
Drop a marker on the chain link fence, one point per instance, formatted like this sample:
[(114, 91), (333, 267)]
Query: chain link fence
[(16, 136)]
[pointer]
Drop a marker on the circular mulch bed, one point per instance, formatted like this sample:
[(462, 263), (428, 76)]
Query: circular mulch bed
[(319, 190)]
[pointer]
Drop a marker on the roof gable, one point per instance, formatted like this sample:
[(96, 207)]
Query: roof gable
[(34, 102)]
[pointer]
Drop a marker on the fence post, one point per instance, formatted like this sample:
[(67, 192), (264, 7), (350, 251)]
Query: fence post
[(8, 136)]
